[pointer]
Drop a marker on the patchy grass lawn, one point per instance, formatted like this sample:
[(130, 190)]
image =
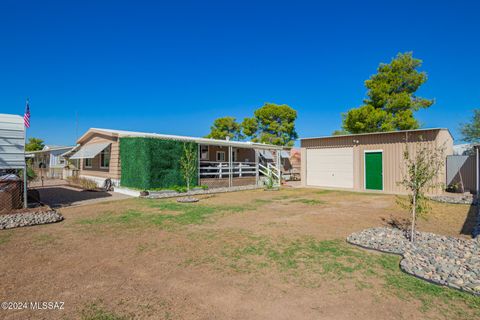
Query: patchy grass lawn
[(254, 254)]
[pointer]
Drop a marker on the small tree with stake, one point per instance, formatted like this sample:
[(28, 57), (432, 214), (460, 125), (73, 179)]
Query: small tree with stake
[(188, 163), (422, 168)]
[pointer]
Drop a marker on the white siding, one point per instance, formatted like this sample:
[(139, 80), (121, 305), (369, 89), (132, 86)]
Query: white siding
[(12, 143)]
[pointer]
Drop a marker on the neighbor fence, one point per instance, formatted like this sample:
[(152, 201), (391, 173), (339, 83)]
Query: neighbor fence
[(11, 190), (462, 173)]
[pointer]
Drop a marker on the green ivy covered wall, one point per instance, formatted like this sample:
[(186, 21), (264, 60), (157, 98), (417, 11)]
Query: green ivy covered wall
[(150, 163)]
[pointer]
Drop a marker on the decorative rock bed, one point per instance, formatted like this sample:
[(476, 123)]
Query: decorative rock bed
[(455, 199), (438, 259), (29, 218), (195, 192)]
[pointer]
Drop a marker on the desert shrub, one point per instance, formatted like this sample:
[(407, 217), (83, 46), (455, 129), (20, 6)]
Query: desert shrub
[(85, 184)]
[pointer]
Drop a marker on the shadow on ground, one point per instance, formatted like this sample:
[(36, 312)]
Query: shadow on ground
[(470, 226), (63, 196)]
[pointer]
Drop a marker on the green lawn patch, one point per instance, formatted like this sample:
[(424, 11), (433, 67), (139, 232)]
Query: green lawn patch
[(311, 263), (166, 214), (311, 202), (95, 311)]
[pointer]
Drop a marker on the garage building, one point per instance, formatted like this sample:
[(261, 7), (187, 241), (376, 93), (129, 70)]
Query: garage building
[(366, 162)]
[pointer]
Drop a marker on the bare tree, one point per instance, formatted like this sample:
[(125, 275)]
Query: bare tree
[(188, 163), (420, 177)]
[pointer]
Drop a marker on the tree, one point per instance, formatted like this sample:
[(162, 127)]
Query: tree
[(422, 168), (471, 131), (340, 132), (391, 101), (273, 124), (188, 163), (34, 144), (225, 127)]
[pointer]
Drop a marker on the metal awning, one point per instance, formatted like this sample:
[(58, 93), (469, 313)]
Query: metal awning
[(89, 151), (266, 154), (284, 154)]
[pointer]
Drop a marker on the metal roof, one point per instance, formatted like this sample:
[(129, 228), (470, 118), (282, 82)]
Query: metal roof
[(372, 133), (51, 148), (12, 142), (240, 144), (89, 151)]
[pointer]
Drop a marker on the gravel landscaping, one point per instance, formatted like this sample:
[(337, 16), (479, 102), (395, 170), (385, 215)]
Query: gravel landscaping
[(29, 218), (443, 260), (455, 199)]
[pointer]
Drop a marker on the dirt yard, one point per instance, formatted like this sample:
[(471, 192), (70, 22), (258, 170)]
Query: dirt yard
[(243, 255)]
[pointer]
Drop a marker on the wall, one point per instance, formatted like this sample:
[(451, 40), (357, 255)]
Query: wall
[(114, 171), (393, 146), (243, 154)]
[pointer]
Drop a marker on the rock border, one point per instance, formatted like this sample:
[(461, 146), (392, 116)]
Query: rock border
[(24, 219), (459, 199), (441, 260), (173, 194)]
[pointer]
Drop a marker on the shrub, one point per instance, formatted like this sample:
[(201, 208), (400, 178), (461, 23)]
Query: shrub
[(88, 184), (85, 184)]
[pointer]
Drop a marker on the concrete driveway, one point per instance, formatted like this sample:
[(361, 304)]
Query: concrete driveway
[(57, 193)]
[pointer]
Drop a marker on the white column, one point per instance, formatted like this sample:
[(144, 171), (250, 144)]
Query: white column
[(279, 167), (230, 165), (256, 167)]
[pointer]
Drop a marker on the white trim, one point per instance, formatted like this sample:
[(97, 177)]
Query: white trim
[(219, 152), (109, 155), (365, 169), (85, 163)]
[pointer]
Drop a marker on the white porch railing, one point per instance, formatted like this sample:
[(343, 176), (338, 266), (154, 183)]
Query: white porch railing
[(270, 171), (213, 169)]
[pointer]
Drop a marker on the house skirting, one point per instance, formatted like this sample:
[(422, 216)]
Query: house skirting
[(100, 181)]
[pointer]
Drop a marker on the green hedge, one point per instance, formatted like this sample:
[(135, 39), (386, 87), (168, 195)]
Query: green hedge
[(149, 163)]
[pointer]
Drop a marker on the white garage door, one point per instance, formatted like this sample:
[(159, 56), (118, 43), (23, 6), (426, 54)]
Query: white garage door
[(330, 167)]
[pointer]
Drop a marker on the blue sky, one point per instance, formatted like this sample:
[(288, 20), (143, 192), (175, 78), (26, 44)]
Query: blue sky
[(174, 67)]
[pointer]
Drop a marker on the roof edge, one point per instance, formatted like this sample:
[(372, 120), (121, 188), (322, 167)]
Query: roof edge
[(373, 133), (123, 133)]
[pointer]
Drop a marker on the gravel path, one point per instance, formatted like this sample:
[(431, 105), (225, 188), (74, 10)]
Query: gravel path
[(448, 261)]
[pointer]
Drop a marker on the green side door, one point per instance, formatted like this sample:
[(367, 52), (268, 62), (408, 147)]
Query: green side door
[(373, 171)]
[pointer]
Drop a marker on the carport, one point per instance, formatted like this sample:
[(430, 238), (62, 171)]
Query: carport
[(12, 161)]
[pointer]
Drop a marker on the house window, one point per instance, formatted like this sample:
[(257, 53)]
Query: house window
[(87, 163), (105, 158), (220, 155), (204, 153), (234, 155)]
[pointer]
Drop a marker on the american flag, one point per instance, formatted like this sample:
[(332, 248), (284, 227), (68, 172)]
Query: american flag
[(26, 116)]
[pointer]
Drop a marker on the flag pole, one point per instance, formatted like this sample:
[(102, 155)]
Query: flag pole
[(25, 196)]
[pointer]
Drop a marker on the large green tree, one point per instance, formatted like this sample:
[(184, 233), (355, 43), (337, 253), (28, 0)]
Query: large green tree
[(225, 127), (273, 124), (34, 144), (471, 131), (391, 100)]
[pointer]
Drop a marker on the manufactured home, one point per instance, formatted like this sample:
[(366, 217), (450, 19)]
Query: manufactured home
[(366, 162), (50, 162), (152, 161)]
